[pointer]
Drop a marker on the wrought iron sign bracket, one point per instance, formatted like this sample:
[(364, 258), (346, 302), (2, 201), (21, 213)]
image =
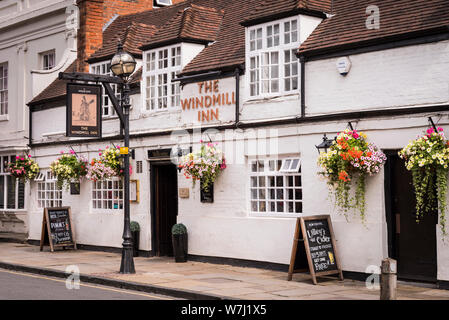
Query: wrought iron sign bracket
[(433, 124)]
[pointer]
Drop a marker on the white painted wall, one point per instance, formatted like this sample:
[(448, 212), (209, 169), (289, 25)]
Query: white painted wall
[(28, 28), (401, 77)]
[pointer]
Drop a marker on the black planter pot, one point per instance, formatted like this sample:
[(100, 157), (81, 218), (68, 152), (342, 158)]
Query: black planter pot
[(180, 247), (135, 236)]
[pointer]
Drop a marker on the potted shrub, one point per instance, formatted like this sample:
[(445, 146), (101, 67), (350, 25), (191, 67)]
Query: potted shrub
[(135, 232), (179, 241)]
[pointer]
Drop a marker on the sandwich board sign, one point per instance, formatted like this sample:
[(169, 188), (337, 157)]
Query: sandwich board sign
[(314, 248), (57, 228)]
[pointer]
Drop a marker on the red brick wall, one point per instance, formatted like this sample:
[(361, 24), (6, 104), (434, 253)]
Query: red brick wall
[(94, 14)]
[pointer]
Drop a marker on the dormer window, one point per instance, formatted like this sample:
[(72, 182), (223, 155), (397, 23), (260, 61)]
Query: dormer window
[(162, 3), (271, 61), (161, 66)]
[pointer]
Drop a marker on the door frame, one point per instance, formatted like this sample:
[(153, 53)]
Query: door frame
[(389, 216), (153, 164)]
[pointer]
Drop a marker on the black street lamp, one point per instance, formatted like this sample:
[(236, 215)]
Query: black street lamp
[(326, 144), (123, 65)]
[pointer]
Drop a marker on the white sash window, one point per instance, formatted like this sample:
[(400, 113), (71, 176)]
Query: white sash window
[(271, 60)]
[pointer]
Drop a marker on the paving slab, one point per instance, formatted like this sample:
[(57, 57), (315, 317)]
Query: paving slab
[(195, 279)]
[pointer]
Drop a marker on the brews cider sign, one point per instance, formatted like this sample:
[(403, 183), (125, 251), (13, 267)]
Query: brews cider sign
[(83, 110), (314, 248)]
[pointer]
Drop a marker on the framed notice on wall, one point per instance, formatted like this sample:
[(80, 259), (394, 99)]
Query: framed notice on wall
[(134, 191), (83, 110)]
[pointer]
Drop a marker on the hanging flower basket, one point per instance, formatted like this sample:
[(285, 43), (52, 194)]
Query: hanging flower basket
[(24, 168), (346, 164), (107, 165), (427, 158), (204, 166), (68, 168)]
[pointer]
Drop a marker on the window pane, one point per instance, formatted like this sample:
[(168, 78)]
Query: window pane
[(2, 192), (11, 190)]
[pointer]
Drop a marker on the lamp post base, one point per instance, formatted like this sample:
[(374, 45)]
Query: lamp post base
[(127, 264)]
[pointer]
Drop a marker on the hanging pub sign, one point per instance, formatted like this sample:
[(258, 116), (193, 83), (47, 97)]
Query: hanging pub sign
[(57, 228), (83, 110), (314, 248)]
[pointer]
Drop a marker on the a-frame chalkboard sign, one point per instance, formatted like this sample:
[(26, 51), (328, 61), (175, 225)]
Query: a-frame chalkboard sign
[(314, 248), (57, 228)]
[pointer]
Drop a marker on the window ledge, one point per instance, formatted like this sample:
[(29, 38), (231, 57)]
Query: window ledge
[(4, 117), (278, 98), (275, 215)]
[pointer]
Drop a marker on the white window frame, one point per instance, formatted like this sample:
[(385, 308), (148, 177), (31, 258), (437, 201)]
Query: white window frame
[(163, 3), (102, 186), (258, 53), (4, 159), (292, 189), (4, 89), (48, 193), (153, 73), (48, 56), (103, 68)]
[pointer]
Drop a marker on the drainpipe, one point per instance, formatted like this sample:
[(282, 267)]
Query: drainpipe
[(302, 61), (237, 96)]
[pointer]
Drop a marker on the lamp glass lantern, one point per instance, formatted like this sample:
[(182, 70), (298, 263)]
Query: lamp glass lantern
[(123, 64), (324, 145)]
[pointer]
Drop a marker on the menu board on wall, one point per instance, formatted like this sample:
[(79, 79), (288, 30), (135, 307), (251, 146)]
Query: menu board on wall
[(314, 247), (57, 228)]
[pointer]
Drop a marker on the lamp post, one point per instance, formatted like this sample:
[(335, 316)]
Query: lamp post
[(123, 65)]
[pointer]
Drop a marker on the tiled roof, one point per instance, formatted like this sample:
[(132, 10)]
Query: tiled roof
[(399, 19), (193, 23), (272, 8), (57, 89), (155, 19), (220, 22)]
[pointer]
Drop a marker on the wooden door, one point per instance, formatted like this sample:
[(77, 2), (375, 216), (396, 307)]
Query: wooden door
[(412, 244), (165, 207)]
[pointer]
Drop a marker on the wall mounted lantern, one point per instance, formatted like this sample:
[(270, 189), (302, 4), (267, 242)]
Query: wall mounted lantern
[(323, 146)]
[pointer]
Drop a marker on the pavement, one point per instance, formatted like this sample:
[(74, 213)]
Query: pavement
[(196, 280)]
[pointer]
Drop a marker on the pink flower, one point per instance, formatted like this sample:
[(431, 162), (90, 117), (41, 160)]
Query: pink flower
[(22, 159), (440, 129), (61, 152), (17, 157), (430, 130), (100, 154), (29, 156), (72, 152)]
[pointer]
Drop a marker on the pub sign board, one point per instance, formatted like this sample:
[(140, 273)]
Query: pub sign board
[(57, 228), (314, 247), (83, 110)]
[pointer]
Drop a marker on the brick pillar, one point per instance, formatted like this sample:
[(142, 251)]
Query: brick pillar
[(90, 33)]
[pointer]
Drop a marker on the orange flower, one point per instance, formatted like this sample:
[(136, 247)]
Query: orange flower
[(369, 154), (343, 175)]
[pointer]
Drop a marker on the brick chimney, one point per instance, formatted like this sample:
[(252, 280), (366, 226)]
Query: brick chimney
[(94, 14)]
